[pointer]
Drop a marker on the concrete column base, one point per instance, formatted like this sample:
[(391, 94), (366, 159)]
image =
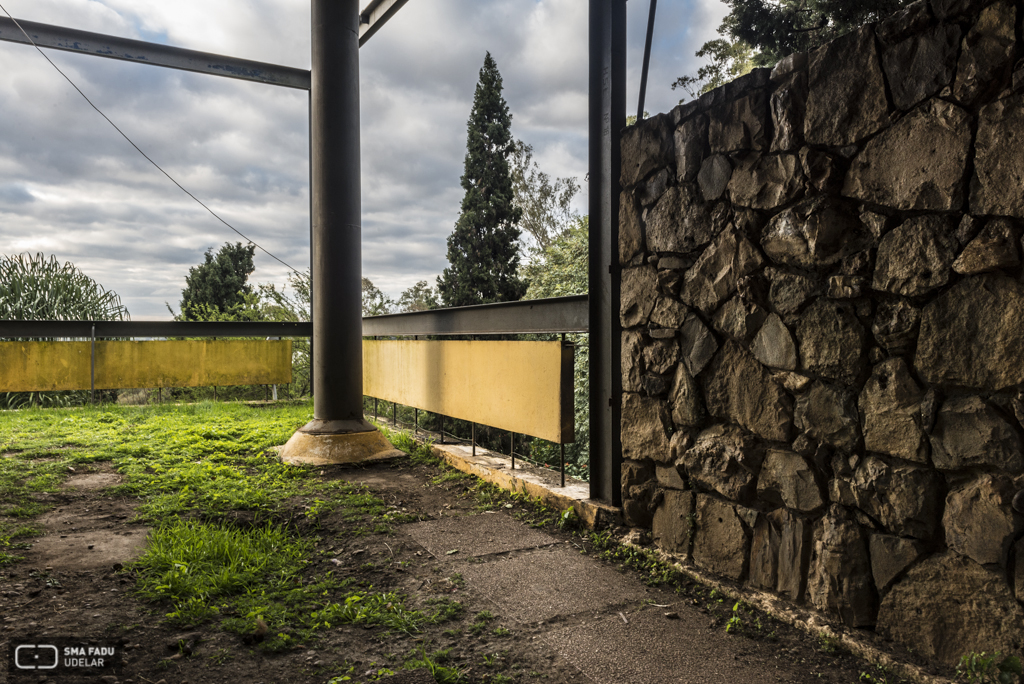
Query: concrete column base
[(308, 447)]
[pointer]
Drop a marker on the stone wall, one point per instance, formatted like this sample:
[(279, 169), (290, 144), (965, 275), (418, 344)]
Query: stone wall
[(823, 313)]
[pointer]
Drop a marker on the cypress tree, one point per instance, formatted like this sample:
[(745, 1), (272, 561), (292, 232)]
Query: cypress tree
[(483, 250)]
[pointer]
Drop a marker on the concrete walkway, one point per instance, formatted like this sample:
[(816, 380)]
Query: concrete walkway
[(605, 623)]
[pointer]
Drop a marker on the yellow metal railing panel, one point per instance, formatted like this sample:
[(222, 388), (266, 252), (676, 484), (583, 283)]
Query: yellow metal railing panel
[(523, 387), (50, 366)]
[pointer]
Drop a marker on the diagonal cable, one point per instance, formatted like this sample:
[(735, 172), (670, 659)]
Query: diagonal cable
[(138, 149)]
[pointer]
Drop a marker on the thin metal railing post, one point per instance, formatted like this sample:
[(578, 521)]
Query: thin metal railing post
[(442, 428), (473, 436), (92, 366), (394, 414), (375, 408), (561, 463), (512, 448), (416, 423)]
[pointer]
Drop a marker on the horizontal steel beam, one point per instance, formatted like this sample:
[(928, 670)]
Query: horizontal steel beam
[(554, 315), (141, 52), (375, 15), (532, 316), (83, 329)]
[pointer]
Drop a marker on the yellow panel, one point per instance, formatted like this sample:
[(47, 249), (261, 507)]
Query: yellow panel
[(524, 387), (46, 366)]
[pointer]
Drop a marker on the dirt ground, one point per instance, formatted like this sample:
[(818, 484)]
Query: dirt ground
[(72, 581)]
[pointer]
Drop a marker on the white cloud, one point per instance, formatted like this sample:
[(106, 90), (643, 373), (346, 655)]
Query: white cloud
[(71, 186)]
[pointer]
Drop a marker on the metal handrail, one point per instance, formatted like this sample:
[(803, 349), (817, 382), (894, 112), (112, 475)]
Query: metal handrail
[(532, 316)]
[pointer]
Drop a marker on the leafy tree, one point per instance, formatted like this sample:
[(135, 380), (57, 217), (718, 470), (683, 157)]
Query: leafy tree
[(419, 297), (483, 249), (761, 32), (41, 289), (375, 302), (560, 271), (546, 205), (219, 286)]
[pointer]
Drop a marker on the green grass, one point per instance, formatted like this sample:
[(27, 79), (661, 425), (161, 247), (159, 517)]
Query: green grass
[(251, 576)]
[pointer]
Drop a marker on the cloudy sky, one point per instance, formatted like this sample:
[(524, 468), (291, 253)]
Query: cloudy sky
[(72, 187)]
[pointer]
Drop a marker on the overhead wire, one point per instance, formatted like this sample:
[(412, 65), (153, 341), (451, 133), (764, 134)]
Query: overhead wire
[(139, 150)]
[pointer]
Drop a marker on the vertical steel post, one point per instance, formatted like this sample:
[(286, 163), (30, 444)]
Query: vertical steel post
[(607, 119), (92, 366), (561, 461), (473, 436), (512, 448), (442, 428), (337, 258), (647, 61)]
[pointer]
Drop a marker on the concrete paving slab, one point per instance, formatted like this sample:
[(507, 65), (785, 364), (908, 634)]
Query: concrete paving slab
[(653, 649), (539, 585), (475, 535)]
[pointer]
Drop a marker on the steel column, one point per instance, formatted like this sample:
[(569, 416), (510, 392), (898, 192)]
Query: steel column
[(337, 267), (607, 119)]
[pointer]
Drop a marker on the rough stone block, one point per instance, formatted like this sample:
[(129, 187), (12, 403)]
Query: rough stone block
[(788, 480), (994, 248), (987, 55), (916, 257), (900, 497), (632, 360), (946, 606), (846, 99), (660, 356), (969, 433), (979, 520), (773, 346), (767, 182), (840, 581), (691, 144), (789, 292), (890, 556), (669, 313), (891, 406), (999, 159), (739, 319), (972, 335), (918, 163), (764, 555), (815, 233), (896, 325), (740, 125), (680, 222), (645, 428), (739, 389), (721, 543), (921, 65), (646, 147), (713, 177), (723, 459), (668, 477), (631, 239), (795, 536), (788, 103), (697, 344), (685, 399), (831, 341), (713, 278), (674, 522), (824, 174), (638, 295), (828, 415)]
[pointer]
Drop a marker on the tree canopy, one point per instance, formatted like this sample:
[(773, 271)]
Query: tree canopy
[(761, 32), (41, 289), (483, 250), (546, 203), (220, 284)]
